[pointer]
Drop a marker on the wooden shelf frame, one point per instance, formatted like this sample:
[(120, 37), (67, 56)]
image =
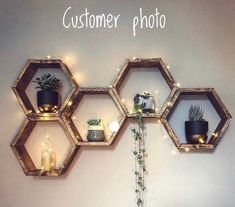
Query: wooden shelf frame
[(74, 102), (63, 117), (26, 77), (23, 156), (145, 63), (220, 108)]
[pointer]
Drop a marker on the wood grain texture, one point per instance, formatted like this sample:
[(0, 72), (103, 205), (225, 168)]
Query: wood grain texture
[(145, 63), (23, 156), (27, 75), (75, 100), (220, 108), (63, 117)]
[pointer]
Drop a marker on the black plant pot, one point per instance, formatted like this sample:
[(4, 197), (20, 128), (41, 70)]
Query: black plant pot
[(196, 132), (48, 101)]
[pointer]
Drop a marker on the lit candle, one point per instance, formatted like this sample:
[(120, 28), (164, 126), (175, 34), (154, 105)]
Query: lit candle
[(48, 155)]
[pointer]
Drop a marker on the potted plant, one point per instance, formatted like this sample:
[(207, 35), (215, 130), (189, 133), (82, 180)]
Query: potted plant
[(196, 128), (48, 96), (145, 102), (95, 130)]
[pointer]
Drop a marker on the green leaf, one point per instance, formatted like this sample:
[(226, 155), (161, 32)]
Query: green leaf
[(140, 184), (140, 162), (139, 202), (139, 157)]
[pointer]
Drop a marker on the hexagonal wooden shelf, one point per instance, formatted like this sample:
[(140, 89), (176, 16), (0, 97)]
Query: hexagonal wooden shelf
[(23, 156), (73, 104), (144, 63), (217, 104), (27, 75)]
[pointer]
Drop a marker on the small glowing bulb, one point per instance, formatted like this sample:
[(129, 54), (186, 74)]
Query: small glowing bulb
[(50, 150), (168, 103), (159, 121), (48, 57), (168, 66), (52, 164), (30, 111), (178, 84), (131, 111), (47, 136), (114, 126), (74, 118), (38, 112), (118, 69), (123, 100), (201, 140), (187, 149), (134, 58), (42, 168), (156, 109), (69, 103), (156, 91), (110, 86)]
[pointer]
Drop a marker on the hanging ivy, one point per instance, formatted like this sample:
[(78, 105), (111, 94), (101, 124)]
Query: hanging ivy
[(139, 154)]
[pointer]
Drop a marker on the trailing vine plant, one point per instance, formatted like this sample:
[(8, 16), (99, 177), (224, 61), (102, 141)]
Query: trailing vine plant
[(139, 153)]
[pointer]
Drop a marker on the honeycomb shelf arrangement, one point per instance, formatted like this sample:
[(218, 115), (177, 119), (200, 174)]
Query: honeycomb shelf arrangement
[(64, 115)]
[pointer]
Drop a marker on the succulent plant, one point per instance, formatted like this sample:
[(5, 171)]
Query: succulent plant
[(95, 122), (196, 113), (47, 82)]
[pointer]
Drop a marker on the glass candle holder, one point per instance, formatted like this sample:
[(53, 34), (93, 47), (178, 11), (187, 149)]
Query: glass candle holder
[(48, 156)]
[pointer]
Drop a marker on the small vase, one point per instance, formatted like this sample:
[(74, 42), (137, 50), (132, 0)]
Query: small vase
[(47, 101), (96, 133), (149, 105), (196, 132)]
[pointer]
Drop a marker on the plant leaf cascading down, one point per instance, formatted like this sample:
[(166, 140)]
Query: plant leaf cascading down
[(139, 154)]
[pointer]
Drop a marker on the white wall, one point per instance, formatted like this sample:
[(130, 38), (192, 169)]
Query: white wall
[(198, 42)]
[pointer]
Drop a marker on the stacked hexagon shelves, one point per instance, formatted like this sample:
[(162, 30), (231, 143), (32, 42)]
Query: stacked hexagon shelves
[(33, 117), (65, 117)]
